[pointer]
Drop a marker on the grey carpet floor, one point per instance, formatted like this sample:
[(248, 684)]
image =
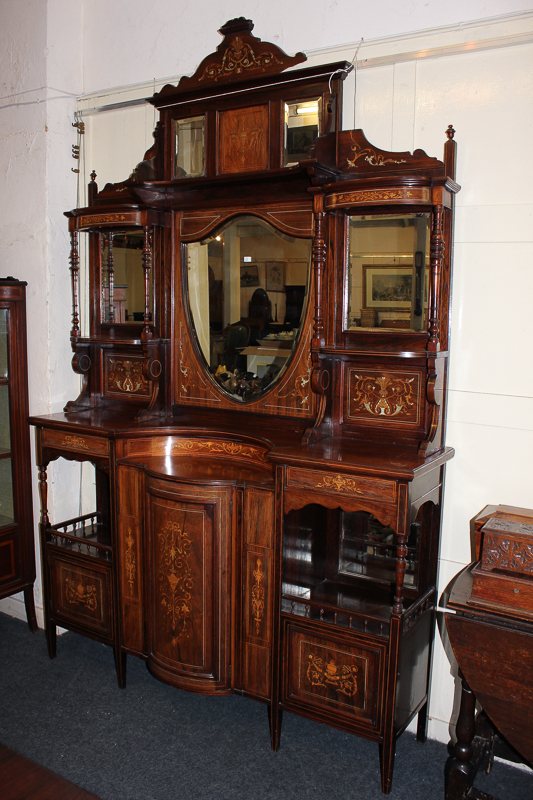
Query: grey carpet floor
[(152, 742)]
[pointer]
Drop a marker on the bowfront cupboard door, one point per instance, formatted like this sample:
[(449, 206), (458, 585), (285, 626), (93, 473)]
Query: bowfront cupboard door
[(190, 532)]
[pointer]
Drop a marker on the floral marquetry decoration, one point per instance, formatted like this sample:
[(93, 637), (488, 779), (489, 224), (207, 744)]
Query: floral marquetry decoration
[(342, 677), (176, 579), (383, 396), (125, 376)]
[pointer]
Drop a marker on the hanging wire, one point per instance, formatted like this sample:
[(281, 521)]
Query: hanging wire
[(354, 62)]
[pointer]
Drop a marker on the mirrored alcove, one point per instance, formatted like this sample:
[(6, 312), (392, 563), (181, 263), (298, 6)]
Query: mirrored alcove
[(248, 289), (388, 276), (123, 289)]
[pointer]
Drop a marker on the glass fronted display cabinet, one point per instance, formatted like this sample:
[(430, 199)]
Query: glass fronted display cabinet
[(264, 399), (17, 555)]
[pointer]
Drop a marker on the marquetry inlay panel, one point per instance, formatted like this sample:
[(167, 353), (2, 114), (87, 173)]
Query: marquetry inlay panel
[(383, 396), (329, 675), (124, 376), (81, 594), (180, 582), (77, 443), (339, 483), (101, 220), (244, 139), (391, 196)]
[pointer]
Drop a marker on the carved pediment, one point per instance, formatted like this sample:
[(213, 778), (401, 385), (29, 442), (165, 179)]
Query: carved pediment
[(358, 155), (239, 57)]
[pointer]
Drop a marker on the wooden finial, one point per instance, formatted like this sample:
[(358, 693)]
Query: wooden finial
[(450, 153), (92, 189), (450, 132)]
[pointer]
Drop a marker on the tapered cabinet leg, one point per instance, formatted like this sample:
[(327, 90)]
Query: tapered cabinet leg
[(387, 752), (29, 603), (120, 665), (50, 630), (275, 717), (422, 724)]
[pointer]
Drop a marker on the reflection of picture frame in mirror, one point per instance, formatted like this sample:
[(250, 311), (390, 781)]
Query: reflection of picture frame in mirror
[(275, 276), (249, 275), (300, 140), (388, 287)]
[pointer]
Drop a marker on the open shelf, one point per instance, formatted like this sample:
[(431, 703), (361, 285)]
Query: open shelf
[(86, 535)]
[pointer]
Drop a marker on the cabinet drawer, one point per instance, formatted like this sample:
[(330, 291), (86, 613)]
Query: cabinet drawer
[(81, 444), (81, 592), (337, 483), (329, 673)]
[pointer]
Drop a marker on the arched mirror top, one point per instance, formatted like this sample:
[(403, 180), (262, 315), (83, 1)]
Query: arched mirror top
[(247, 284)]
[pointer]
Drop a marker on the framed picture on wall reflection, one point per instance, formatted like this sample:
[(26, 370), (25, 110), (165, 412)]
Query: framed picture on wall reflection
[(249, 275), (275, 276), (388, 287)]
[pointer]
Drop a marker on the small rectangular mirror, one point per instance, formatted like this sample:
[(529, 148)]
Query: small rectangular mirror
[(388, 274), (189, 153), (302, 126)]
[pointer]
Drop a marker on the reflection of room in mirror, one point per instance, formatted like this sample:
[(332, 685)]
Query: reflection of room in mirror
[(123, 277), (247, 292), (389, 271), (302, 126)]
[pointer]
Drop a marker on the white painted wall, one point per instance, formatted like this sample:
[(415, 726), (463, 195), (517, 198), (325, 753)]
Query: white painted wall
[(40, 69), (422, 66)]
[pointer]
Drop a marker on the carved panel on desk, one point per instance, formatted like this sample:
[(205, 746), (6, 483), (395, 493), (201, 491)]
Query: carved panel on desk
[(334, 675), (124, 376), (512, 552), (81, 444), (130, 518), (81, 594), (383, 396), (244, 139), (372, 488)]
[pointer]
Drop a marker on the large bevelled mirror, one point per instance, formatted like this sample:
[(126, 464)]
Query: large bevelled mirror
[(388, 276), (248, 288)]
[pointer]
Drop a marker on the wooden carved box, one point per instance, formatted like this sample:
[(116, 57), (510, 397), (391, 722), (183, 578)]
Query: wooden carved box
[(504, 576)]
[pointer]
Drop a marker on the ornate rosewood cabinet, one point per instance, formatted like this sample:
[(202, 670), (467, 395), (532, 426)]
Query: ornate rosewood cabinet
[(263, 397)]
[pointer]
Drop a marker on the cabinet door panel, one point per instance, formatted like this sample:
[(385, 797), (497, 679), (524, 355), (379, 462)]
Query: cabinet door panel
[(190, 548), (81, 592), (327, 674)]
